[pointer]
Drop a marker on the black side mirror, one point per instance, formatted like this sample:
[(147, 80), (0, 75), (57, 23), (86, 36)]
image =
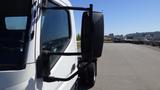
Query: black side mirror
[(92, 34)]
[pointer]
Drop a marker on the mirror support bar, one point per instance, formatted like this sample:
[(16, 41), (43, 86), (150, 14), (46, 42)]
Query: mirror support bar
[(67, 54), (53, 79), (68, 8), (48, 53), (91, 28)]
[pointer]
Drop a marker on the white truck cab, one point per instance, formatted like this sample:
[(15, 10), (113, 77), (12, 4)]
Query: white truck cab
[(38, 48)]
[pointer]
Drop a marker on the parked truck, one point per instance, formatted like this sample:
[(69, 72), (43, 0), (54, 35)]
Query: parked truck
[(38, 49)]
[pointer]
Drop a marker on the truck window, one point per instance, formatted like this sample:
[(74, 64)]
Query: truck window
[(15, 17), (55, 32), (16, 23)]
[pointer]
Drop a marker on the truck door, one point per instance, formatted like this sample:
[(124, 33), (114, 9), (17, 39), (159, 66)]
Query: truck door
[(56, 37)]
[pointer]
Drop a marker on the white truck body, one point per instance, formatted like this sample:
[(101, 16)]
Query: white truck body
[(26, 79), (38, 47)]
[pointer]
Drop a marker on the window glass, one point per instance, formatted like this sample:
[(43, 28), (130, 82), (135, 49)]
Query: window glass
[(16, 23), (55, 32)]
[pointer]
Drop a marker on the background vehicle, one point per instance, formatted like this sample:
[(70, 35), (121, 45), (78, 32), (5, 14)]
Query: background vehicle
[(38, 45)]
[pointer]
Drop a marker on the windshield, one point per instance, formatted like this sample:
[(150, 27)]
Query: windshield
[(14, 26)]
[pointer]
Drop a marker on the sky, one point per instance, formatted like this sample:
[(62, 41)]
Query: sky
[(125, 16)]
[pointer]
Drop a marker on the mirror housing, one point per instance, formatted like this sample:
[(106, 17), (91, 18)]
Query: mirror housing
[(92, 34)]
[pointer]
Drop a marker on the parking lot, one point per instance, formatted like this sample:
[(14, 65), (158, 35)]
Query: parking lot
[(126, 66)]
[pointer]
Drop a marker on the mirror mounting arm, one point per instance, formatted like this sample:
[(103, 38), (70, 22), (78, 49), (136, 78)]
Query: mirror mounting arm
[(53, 79), (68, 8), (67, 54), (42, 6), (91, 28), (48, 53)]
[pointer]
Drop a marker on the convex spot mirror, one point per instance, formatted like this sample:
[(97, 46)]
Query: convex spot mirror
[(92, 34)]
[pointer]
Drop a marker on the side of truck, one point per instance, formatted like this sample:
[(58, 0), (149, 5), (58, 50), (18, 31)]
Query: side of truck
[(38, 48)]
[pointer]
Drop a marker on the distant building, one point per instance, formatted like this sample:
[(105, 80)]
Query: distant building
[(145, 36)]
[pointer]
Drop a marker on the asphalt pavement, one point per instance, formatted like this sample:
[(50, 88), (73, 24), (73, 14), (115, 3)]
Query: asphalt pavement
[(128, 67)]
